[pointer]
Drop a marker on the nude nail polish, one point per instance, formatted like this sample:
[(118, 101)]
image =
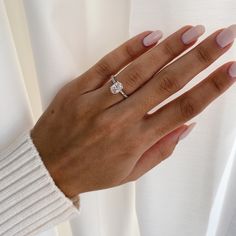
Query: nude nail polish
[(232, 70), (226, 36), (187, 131), (192, 34), (152, 38)]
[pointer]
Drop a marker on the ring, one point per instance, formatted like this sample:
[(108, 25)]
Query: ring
[(117, 87)]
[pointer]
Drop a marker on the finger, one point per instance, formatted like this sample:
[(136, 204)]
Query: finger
[(177, 74), (162, 149), (189, 104), (118, 58), (144, 67)]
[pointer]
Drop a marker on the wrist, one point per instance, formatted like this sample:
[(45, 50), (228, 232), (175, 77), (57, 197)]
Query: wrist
[(56, 171)]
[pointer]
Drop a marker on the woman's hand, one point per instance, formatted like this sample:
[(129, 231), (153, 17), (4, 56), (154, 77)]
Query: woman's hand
[(91, 139)]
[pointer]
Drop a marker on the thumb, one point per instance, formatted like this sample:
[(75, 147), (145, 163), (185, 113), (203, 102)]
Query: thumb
[(158, 152)]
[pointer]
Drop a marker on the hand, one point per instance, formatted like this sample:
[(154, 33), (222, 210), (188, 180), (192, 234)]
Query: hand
[(90, 139)]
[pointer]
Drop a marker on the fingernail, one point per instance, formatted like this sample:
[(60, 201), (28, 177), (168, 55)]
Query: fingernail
[(187, 131), (192, 34), (232, 70), (226, 36), (152, 38)]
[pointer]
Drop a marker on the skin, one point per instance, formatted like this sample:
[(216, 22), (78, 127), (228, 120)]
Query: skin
[(90, 139)]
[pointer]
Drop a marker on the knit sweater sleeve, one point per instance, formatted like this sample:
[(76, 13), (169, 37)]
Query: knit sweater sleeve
[(30, 201)]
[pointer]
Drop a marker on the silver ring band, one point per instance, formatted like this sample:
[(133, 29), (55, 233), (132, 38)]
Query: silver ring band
[(117, 87)]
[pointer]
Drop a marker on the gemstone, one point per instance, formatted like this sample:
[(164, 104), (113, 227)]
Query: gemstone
[(116, 87)]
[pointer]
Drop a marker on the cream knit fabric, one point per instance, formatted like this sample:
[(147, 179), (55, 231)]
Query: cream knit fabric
[(30, 201)]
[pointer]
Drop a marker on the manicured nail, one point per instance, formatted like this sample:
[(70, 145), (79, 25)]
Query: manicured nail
[(187, 131), (152, 38), (226, 36), (192, 34), (232, 70)]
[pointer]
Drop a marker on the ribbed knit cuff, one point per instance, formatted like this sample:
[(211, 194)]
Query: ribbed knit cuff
[(30, 201)]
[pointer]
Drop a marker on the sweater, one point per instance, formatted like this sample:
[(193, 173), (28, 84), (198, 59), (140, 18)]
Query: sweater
[(30, 201)]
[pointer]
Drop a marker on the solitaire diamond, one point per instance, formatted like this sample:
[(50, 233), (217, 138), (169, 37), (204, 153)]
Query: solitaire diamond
[(116, 87)]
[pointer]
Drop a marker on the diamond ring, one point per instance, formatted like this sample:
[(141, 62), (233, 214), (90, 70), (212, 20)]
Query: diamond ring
[(117, 87)]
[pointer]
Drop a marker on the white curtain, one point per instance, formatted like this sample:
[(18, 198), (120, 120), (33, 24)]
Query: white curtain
[(45, 44)]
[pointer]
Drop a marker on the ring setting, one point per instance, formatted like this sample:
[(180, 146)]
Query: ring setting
[(117, 87)]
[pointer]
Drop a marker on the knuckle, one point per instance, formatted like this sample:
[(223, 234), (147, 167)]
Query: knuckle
[(169, 50), (218, 84), (130, 51), (168, 83), (203, 55), (134, 78), (188, 107), (103, 67)]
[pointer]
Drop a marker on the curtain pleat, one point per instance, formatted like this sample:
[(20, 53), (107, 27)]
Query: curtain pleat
[(14, 101), (20, 34)]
